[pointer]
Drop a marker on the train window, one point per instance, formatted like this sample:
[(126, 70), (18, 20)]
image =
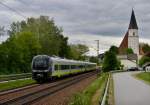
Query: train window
[(72, 66), (41, 63), (56, 67), (65, 67), (61, 67)]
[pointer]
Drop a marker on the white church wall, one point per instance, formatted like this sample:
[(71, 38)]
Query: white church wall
[(133, 40), (128, 64), (133, 32)]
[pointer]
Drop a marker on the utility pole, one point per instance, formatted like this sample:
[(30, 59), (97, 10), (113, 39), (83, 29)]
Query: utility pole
[(97, 47), (97, 68)]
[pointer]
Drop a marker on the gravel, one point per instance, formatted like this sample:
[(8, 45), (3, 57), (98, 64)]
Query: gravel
[(60, 98), (64, 96)]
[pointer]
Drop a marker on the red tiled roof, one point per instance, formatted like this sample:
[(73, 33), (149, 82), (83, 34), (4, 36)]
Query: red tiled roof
[(124, 44)]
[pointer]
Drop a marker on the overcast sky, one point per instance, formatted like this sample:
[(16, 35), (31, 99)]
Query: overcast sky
[(84, 21)]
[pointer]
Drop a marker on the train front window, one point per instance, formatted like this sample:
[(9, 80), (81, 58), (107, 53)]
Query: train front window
[(41, 63)]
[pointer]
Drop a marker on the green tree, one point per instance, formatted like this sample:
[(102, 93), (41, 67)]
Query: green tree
[(110, 62), (28, 46), (94, 59), (144, 60), (48, 34), (35, 36), (29, 38), (114, 49), (78, 51), (146, 48), (129, 51), (3, 58)]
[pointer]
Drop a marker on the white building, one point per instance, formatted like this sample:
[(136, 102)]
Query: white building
[(130, 40)]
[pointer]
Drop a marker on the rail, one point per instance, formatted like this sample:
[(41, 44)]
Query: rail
[(14, 76), (32, 97)]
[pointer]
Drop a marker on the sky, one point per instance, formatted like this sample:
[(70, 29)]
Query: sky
[(84, 21)]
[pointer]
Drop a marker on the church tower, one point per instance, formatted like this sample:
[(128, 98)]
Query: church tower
[(133, 38), (130, 40)]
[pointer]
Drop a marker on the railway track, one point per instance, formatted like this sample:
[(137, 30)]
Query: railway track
[(17, 90), (37, 95), (6, 78)]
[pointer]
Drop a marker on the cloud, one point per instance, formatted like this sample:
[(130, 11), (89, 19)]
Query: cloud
[(85, 20), (105, 42)]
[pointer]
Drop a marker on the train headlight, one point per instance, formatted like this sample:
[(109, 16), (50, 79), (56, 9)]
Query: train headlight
[(40, 75)]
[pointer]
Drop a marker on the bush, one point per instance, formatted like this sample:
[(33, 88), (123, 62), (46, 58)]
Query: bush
[(144, 60)]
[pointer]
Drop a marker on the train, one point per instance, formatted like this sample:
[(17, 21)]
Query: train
[(45, 67)]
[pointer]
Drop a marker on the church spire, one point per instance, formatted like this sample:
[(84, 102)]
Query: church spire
[(133, 24)]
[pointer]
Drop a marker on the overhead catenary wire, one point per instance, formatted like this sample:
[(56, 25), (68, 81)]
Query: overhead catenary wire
[(23, 2), (13, 10)]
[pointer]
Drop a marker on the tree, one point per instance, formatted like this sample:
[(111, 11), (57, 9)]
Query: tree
[(110, 62), (64, 47), (28, 46), (145, 47), (144, 60), (29, 38), (129, 51), (114, 49), (94, 59), (35, 36), (48, 34), (3, 58), (77, 51)]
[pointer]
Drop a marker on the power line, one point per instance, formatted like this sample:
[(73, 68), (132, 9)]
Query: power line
[(23, 2), (12, 10)]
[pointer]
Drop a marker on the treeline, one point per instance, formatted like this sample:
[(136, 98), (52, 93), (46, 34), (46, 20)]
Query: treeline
[(146, 57), (31, 37)]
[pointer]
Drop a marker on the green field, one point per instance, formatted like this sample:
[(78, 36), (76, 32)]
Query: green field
[(144, 76), (92, 94), (15, 84)]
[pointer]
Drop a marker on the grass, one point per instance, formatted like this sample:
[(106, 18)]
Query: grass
[(145, 76), (92, 94), (110, 95), (15, 84), (97, 97), (2, 76)]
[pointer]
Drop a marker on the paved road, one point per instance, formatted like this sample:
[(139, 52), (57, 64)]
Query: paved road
[(130, 91)]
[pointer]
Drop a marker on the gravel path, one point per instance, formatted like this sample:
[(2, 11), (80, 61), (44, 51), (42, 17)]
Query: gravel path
[(64, 96), (130, 91), (59, 97)]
